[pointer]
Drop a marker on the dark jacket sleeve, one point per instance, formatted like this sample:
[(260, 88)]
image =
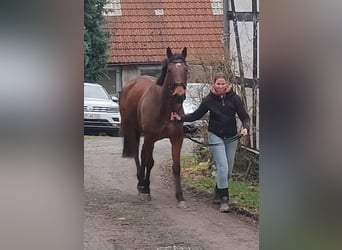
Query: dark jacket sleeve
[(242, 113), (197, 114)]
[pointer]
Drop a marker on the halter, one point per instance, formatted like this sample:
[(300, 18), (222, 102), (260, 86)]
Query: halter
[(177, 84), (174, 85)]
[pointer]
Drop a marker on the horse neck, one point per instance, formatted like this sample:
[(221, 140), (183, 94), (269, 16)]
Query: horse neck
[(166, 103)]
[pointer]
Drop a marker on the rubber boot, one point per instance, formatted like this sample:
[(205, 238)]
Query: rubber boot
[(224, 195), (217, 197)]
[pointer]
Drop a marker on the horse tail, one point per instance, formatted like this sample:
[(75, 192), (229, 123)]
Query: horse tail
[(129, 123), (131, 141), (125, 150)]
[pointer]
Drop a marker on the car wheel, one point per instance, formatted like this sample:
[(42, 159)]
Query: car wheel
[(113, 133)]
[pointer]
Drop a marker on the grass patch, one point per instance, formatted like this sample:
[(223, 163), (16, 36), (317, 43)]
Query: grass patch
[(200, 183), (197, 176), (246, 194)]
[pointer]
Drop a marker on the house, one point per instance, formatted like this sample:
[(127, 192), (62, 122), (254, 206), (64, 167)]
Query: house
[(140, 31)]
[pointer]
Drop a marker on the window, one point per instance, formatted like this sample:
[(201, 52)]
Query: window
[(112, 8), (159, 12), (150, 70), (217, 7), (113, 83)]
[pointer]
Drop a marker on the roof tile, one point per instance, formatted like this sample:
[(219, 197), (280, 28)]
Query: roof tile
[(139, 35)]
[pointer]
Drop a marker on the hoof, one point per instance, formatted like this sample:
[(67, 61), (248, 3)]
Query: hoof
[(144, 197), (140, 189), (181, 204)]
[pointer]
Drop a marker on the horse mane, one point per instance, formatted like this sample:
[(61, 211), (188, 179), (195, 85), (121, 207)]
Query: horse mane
[(175, 57)]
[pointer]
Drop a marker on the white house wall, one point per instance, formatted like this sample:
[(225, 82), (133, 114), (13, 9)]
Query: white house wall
[(246, 33), (246, 44), (245, 30), (129, 72)]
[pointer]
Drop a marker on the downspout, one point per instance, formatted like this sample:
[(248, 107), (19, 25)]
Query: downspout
[(226, 32)]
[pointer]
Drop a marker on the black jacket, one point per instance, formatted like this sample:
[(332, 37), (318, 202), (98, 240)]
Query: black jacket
[(222, 121)]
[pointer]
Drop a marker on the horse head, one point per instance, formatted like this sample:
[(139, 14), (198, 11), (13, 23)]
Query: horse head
[(175, 73)]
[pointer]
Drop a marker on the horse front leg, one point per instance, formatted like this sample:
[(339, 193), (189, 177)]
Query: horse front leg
[(176, 149), (147, 162)]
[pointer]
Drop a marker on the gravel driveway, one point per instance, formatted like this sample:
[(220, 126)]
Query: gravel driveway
[(115, 218)]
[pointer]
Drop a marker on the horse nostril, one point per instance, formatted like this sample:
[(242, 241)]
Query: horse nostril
[(178, 90)]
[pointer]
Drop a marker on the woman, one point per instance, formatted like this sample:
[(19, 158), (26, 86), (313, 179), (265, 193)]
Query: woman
[(223, 104)]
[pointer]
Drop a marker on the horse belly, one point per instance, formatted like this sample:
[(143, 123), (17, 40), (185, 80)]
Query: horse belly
[(160, 130), (130, 96)]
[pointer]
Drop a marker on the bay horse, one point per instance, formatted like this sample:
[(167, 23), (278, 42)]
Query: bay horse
[(146, 104)]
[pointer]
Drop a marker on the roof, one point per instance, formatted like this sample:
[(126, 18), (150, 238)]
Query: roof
[(143, 30)]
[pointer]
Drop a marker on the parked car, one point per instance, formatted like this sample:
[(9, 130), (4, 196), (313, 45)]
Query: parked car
[(194, 95), (115, 98), (101, 113)]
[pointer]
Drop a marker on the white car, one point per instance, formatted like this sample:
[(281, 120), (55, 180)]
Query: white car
[(194, 95), (101, 113)]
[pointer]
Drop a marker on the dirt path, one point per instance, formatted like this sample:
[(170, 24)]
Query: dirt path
[(115, 218)]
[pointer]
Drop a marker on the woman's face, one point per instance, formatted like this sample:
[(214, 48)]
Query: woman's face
[(221, 86)]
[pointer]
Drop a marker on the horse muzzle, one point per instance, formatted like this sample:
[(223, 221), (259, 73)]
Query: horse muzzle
[(179, 93), (179, 98)]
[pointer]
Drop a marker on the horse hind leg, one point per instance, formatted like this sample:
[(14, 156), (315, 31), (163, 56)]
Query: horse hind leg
[(140, 173), (140, 167), (134, 150), (131, 149)]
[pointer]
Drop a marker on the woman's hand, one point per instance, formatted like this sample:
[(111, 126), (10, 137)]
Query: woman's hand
[(175, 116), (244, 132)]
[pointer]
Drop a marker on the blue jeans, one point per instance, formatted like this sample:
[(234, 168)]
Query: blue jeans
[(223, 155)]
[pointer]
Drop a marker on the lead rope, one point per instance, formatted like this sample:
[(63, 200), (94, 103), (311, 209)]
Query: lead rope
[(232, 139)]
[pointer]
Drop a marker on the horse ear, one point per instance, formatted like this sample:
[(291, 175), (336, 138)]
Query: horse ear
[(169, 52), (184, 52)]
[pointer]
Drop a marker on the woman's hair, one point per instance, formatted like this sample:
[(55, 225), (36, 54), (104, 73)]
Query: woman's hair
[(219, 75)]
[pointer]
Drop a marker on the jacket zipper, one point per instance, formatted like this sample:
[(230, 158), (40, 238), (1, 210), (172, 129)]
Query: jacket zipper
[(222, 100)]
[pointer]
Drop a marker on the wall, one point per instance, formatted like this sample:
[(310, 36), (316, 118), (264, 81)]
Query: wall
[(245, 30)]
